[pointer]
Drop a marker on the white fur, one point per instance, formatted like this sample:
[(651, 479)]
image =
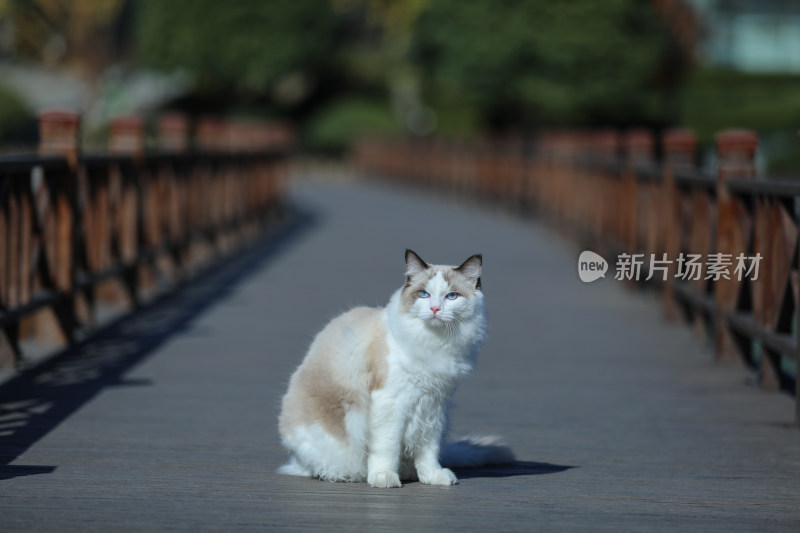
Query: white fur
[(316, 453), (399, 435)]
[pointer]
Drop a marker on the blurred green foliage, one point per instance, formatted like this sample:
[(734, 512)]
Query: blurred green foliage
[(456, 118), (718, 99), (547, 63), (14, 114), (784, 161), (335, 127), (483, 63), (244, 45), (715, 99)]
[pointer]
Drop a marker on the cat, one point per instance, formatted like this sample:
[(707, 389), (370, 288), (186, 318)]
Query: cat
[(369, 401)]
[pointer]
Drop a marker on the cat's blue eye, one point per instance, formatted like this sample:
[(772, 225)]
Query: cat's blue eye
[(424, 294), (451, 295)]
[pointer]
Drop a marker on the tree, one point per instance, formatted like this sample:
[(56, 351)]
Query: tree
[(546, 63), (78, 33), (252, 47)]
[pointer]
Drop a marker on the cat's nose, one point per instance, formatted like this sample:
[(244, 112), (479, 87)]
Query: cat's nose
[(435, 309)]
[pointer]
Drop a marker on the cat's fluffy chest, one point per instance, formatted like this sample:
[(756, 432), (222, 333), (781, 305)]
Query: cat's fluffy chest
[(428, 371)]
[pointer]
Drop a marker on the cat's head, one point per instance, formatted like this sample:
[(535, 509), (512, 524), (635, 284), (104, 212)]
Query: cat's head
[(442, 295)]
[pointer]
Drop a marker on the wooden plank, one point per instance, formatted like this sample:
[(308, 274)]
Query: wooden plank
[(13, 250), (65, 259), (4, 251), (26, 247)]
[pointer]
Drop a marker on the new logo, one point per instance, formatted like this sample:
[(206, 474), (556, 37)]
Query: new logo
[(591, 266)]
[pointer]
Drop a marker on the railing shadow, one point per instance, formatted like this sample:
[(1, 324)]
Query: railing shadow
[(37, 400)]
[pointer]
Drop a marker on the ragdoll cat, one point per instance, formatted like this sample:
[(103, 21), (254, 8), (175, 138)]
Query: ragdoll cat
[(369, 400)]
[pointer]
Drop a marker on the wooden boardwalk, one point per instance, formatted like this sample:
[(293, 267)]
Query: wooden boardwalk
[(167, 420)]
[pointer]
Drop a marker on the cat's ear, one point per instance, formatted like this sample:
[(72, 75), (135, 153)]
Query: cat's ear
[(414, 264), (471, 268)]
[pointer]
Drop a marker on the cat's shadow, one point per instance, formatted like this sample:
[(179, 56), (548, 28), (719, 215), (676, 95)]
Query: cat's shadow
[(518, 468)]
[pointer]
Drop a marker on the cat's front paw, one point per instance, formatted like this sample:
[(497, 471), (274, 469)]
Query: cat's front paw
[(443, 476), (384, 480)]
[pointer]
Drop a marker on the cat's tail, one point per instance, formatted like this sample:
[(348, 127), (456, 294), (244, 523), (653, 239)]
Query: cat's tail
[(476, 450)]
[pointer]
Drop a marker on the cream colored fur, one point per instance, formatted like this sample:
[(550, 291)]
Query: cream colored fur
[(369, 401)]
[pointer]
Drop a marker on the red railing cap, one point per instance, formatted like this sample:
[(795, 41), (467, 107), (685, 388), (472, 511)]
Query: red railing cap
[(679, 140), (126, 135), (210, 123), (59, 116), (127, 123), (212, 133), (173, 131), (58, 133), (604, 139), (173, 121), (639, 138), (739, 140)]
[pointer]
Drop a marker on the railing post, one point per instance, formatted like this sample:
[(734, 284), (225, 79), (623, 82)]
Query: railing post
[(639, 144), (173, 138), (59, 134), (127, 136), (127, 139), (680, 147), (736, 152), (609, 186), (173, 133)]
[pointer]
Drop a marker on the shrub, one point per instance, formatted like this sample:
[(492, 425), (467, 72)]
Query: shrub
[(337, 126)]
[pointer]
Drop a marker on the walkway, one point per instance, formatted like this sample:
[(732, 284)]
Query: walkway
[(167, 421)]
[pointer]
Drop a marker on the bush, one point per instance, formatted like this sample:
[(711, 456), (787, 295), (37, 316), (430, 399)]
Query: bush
[(15, 116), (716, 99), (337, 126), (545, 63)]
